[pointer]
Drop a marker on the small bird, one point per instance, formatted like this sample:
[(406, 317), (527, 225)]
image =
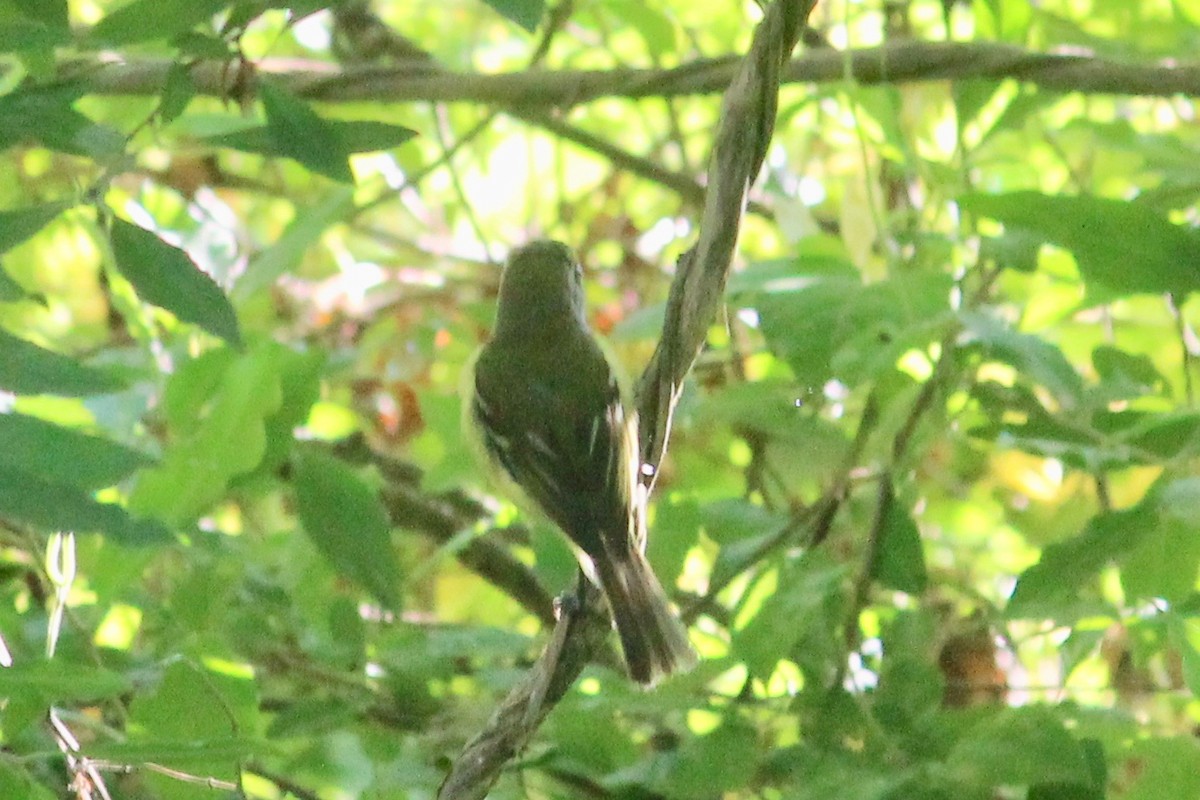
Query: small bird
[(543, 407)]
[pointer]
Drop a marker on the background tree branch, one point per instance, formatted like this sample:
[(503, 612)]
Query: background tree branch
[(897, 62)]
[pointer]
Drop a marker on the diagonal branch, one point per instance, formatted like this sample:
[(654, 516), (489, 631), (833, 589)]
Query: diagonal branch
[(742, 137)]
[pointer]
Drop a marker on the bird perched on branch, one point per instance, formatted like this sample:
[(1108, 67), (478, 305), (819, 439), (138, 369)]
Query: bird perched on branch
[(543, 407)]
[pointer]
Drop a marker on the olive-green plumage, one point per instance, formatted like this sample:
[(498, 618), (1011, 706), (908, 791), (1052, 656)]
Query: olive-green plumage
[(545, 405)]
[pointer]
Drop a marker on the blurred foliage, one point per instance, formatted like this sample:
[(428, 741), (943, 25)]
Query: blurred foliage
[(931, 505)]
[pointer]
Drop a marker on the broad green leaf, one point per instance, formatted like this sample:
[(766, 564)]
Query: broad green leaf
[(64, 455), (177, 92), (230, 440), (304, 231), (11, 291), (1019, 747), (26, 368), (167, 277), (145, 20), (526, 13), (803, 587), (713, 764), (901, 562), (1030, 355), (1160, 768), (820, 774), (1065, 567), (1125, 375), (1184, 632), (17, 226), (300, 382), (837, 327), (356, 136), (60, 681), (51, 13), (52, 506), (44, 114), (1122, 246), (299, 133), (655, 27), (195, 720), (347, 522), (15, 781), (1166, 559), (18, 35), (193, 703)]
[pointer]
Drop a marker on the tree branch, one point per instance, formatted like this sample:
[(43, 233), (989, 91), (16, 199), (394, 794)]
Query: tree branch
[(893, 63), (744, 132)]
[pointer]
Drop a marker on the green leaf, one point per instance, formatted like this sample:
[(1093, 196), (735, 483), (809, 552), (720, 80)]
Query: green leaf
[(901, 564), (1120, 245), (51, 13), (297, 132), (304, 231), (52, 506), (177, 92), (26, 368), (146, 20), (1030, 355), (526, 13), (347, 522), (1184, 632), (20, 35), (60, 681), (803, 587), (1166, 559), (655, 27), (1161, 768), (356, 136), (44, 114), (229, 440), (167, 277), (17, 226), (15, 781), (1019, 747), (837, 327), (11, 291), (64, 455), (1066, 566), (714, 764)]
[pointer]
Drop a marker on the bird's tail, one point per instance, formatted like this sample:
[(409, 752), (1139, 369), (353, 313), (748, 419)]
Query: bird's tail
[(652, 636)]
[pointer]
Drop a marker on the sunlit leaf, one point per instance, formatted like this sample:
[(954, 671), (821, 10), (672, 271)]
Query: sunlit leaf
[(901, 562), (145, 20), (61, 681), (18, 225), (51, 506), (1123, 246), (309, 225), (347, 522), (26, 368), (1033, 356), (296, 131), (167, 277), (62, 454), (1065, 567), (1020, 747), (526, 13), (230, 440)]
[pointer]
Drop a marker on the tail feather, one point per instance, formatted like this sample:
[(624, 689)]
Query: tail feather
[(652, 636)]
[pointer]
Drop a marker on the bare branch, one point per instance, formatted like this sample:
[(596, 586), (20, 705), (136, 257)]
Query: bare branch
[(894, 63)]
